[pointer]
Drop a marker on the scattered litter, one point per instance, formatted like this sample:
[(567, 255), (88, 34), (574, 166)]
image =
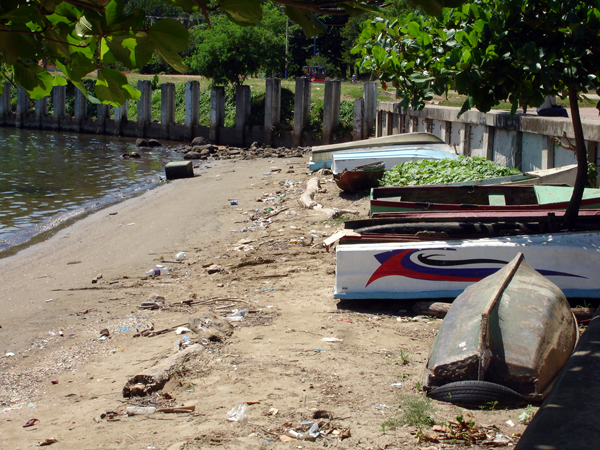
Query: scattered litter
[(9, 354), (47, 442), (180, 256), (510, 423), (96, 278), (273, 412), (396, 384), (124, 329), (379, 406), (140, 410), (177, 409), (332, 339), (49, 300), (150, 305), (234, 202), (54, 381), (238, 412), (182, 330), (311, 435), (316, 350), (237, 316), (158, 271), (30, 423)]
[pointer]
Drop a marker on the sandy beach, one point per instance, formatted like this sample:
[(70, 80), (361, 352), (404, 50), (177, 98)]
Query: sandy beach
[(72, 333)]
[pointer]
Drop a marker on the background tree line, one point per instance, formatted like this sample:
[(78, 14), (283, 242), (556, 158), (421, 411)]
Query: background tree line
[(228, 53)]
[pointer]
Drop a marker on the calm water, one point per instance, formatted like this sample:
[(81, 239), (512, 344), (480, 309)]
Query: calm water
[(50, 179)]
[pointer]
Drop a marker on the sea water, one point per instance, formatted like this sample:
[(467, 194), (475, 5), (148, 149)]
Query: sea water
[(49, 179)]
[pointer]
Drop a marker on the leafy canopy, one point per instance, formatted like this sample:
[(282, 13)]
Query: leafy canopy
[(228, 54), (489, 50), (82, 36), (492, 51)]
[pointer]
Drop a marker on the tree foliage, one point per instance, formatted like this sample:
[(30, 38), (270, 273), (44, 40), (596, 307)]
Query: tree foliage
[(228, 53), (83, 36), (491, 51)]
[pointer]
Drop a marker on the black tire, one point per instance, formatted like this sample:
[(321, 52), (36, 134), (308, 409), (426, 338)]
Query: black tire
[(475, 394)]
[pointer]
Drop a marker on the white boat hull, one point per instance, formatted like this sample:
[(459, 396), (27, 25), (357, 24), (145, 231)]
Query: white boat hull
[(444, 269)]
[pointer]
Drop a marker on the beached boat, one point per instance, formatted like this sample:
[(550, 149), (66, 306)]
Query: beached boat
[(360, 178), (485, 198), (322, 155), (514, 328), (448, 225), (444, 268), (557, 176), (390, 157)]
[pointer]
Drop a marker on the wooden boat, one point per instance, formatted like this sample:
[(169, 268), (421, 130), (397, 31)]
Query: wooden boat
[(360, 178), (514, 328), (557, 176), (390, 157), (322, 155), (444, 268), (485, 198), (418, 226)]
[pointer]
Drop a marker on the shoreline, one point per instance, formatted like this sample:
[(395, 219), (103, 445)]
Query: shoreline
[(298, 351)]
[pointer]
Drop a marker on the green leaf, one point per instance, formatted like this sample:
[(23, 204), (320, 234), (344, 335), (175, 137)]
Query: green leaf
[(112, 87), (132, 51), (243, 12), (310, 24), (35, 79), (170, 37)]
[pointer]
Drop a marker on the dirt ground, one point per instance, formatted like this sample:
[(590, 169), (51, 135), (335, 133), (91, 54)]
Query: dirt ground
[(69, 316)]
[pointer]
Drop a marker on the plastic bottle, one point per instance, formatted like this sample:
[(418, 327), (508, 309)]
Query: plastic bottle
[(158, 271), (137, 410)]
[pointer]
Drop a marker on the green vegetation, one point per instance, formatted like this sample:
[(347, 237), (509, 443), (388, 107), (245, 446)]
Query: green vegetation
[(492, 51), (423, 172), (416, 411)]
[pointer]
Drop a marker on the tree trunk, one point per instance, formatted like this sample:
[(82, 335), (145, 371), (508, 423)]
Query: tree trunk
[(570, 218)]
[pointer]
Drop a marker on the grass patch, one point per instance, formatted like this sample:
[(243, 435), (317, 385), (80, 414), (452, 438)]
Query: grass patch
[(416, 411)]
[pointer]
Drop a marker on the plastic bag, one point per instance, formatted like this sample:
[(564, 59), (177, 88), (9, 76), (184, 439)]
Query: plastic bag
[(238, 412)]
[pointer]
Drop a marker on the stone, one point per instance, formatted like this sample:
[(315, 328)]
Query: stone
[(179, 169)]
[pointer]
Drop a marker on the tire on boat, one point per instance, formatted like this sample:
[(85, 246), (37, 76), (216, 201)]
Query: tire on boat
[(475, 394)]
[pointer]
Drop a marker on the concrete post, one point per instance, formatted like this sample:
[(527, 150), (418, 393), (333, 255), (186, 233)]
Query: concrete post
[(120, 117), (145, 101), (41, 110), (192, 104), (5, 102), (167, 103), (22, 105), (59, 99), (272, 107), (103, 114), (243, 105), (80, 108), (359, 119), (301, 108), (331, 109), (144, 106), (217, 113), (370, 96)]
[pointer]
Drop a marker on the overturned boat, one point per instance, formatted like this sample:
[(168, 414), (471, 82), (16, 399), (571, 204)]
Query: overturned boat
[(492, 198), (503, 341), (380, 268), (393, 149)]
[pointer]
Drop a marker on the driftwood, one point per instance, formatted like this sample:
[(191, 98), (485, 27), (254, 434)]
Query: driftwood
[(210, 327), (154, 378), (307, 198), (431, 308), (440, 309)]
